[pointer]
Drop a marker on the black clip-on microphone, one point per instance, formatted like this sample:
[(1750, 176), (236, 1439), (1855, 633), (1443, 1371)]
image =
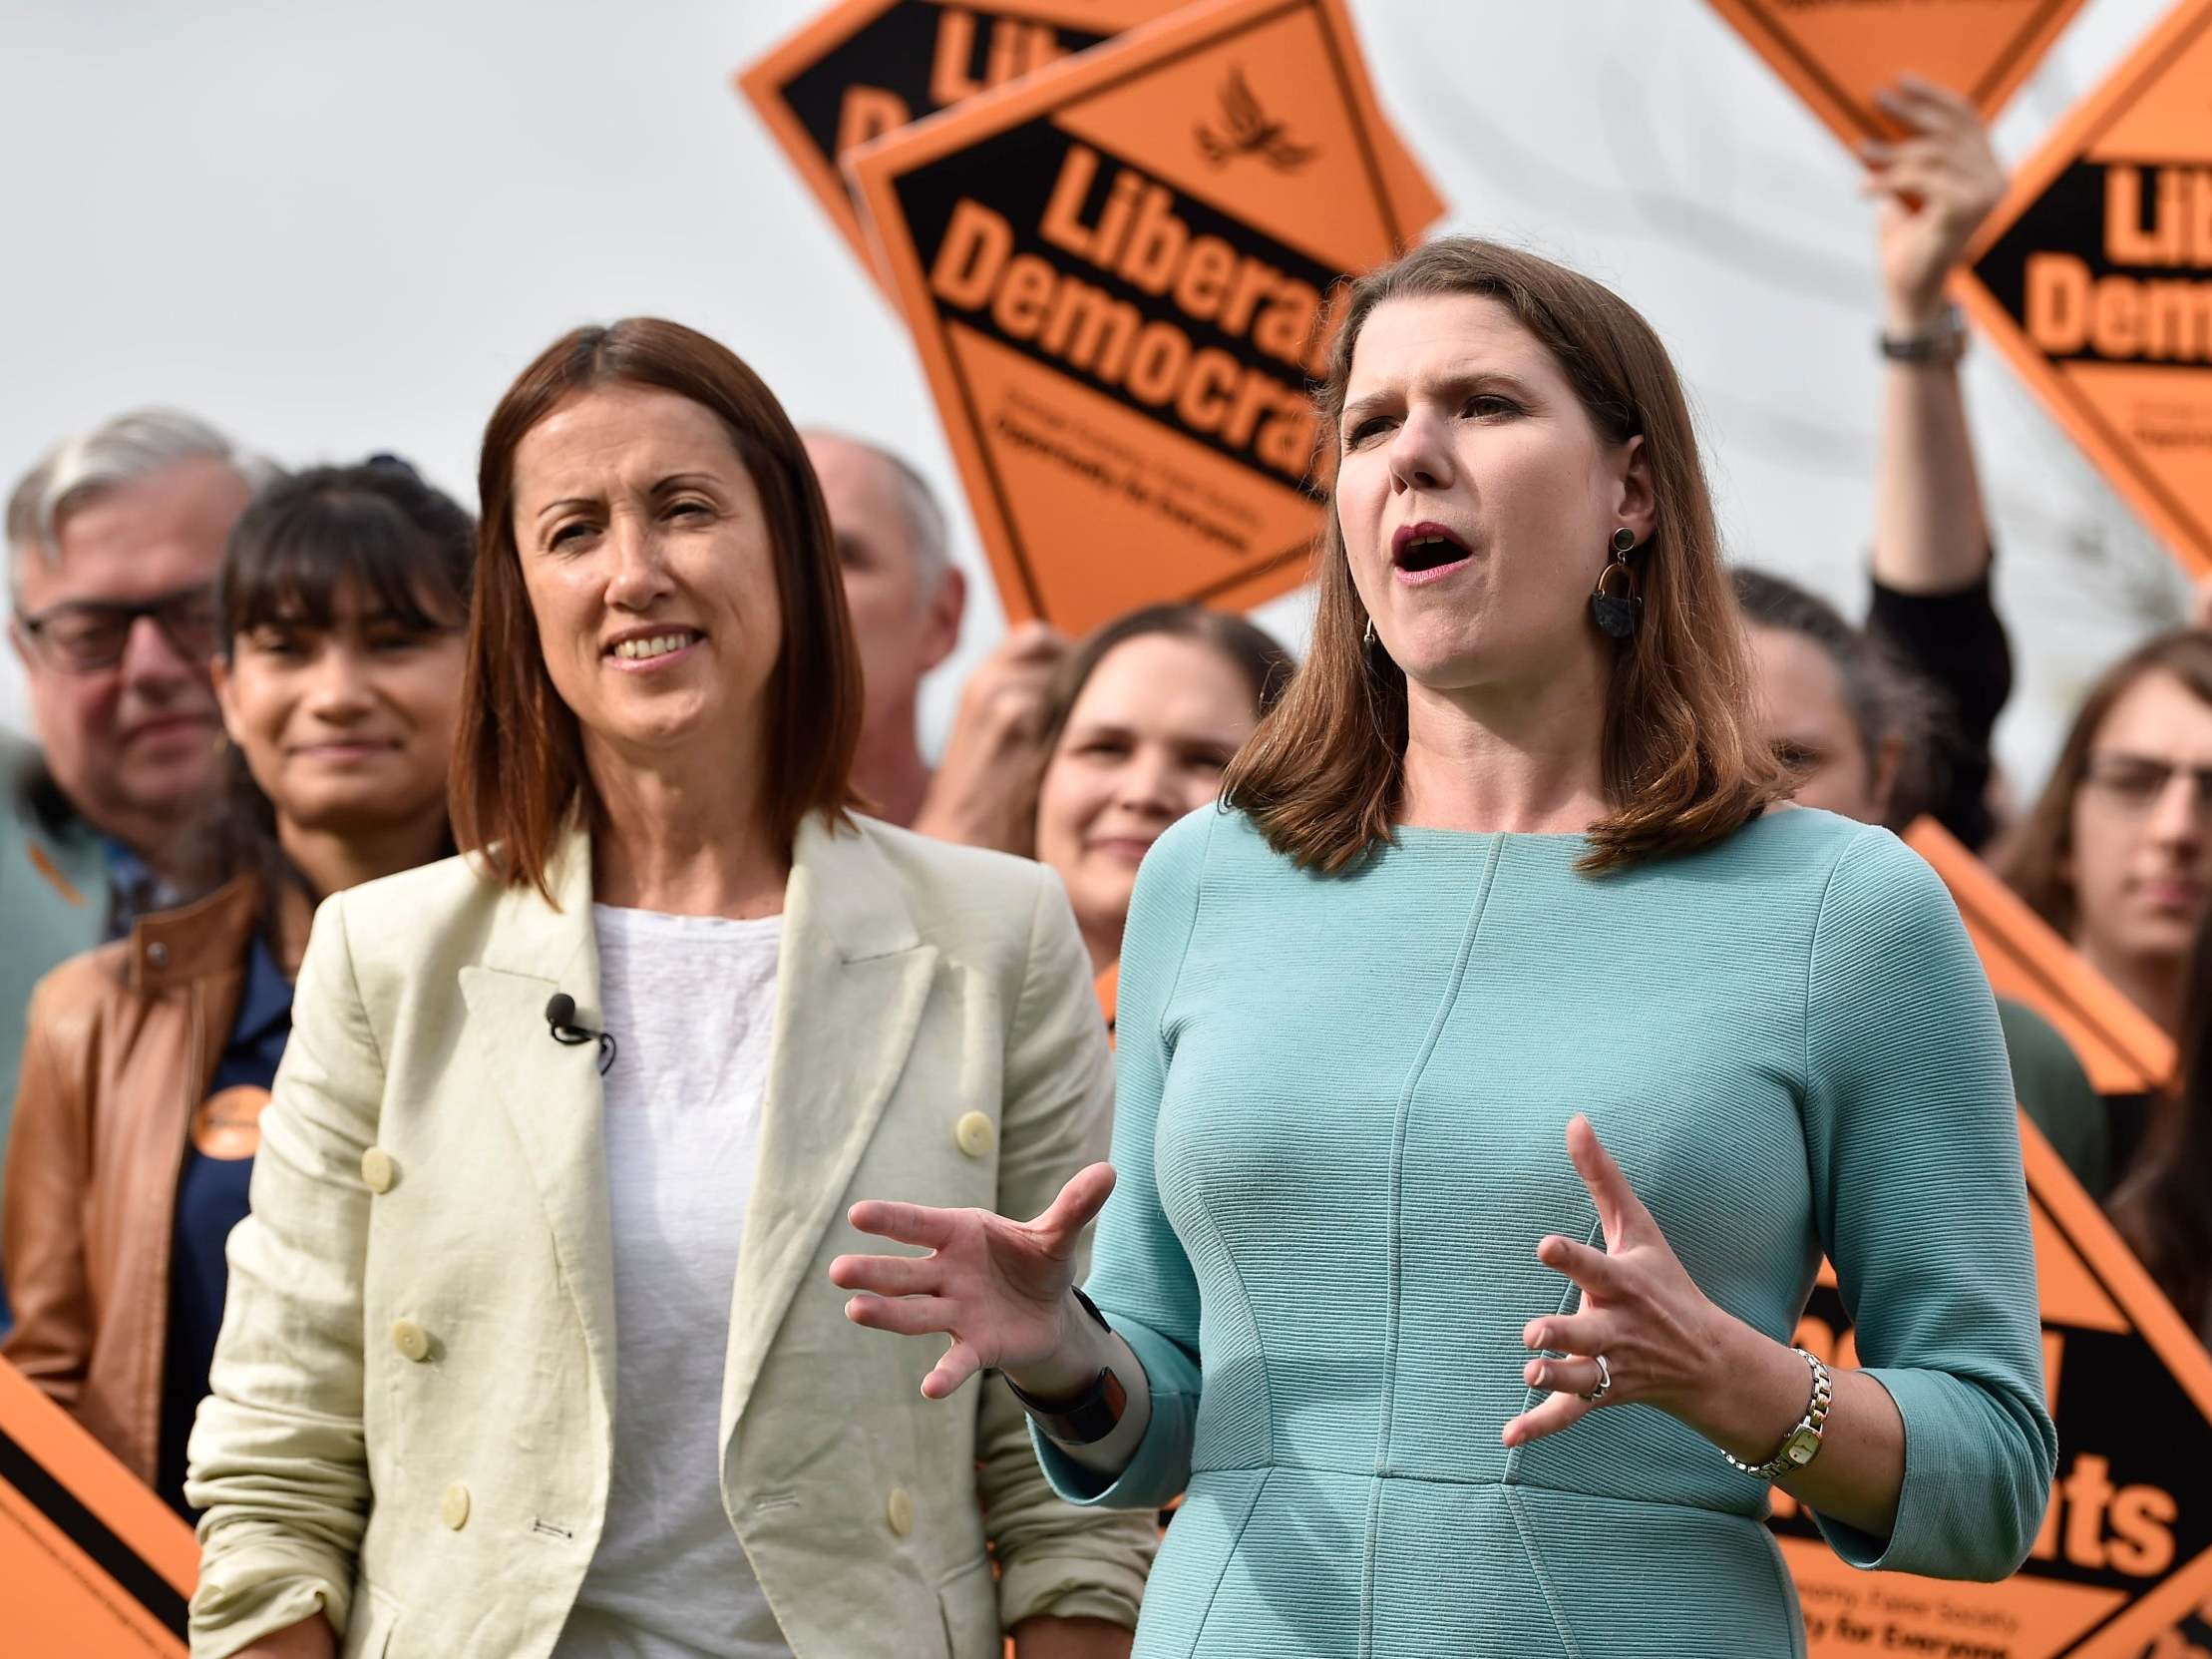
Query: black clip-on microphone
[(560, 1020)]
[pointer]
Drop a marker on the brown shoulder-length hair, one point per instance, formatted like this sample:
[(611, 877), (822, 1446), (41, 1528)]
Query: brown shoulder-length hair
[(518, 764), (2035, 855), (1686, 760), (2159, 1207)]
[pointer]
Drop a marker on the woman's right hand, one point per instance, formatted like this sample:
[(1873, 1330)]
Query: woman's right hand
[(1000, 1288)]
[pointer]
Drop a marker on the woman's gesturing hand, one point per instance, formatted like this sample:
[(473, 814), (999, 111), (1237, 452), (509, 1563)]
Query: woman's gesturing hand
[(998, 1288), (1640, 1309)]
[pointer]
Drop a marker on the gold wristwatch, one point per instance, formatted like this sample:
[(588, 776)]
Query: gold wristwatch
[(1802, 1444)]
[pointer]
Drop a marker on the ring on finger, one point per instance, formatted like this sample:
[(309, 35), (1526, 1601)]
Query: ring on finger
[(1605, 1382)]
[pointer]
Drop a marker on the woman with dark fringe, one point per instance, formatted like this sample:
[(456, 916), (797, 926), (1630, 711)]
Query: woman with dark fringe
[(342, 600)]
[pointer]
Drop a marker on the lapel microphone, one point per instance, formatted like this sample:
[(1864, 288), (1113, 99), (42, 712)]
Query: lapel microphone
[(560, 1020)]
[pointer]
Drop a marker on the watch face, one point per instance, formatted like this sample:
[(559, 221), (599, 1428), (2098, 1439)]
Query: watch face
[(1803, 1445)]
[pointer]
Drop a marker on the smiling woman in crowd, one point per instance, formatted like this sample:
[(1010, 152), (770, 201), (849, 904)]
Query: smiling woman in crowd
[(342, 606), (521, 1355), (1146, 715), (1495, 1072)]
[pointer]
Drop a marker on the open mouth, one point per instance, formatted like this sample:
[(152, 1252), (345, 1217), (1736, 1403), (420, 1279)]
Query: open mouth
[(1419, 548), (644, 647)]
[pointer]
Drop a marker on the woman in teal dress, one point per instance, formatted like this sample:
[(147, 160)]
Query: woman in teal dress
[(1498, 1063)]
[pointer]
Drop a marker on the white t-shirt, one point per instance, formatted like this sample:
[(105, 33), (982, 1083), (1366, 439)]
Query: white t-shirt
[(691, 1000)]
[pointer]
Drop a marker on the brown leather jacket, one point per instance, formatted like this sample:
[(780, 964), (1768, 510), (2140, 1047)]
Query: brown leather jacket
[(123, 1044)]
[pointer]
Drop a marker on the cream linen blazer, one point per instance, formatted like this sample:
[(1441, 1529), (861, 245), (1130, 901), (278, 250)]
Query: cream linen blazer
[(411, 1417)]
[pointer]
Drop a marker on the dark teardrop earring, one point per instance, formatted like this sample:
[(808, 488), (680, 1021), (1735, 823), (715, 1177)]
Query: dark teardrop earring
[(1617, 608)]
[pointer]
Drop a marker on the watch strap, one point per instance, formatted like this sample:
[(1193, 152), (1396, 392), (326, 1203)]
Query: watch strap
[(1941, 341), (1802, 1444), (1090, 1415), (1086, 1419)]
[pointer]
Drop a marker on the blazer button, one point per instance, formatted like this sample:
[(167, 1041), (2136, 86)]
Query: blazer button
[(975, 1135), (411, 1340), (900, 1511), (377, 1169), (455, 1508)]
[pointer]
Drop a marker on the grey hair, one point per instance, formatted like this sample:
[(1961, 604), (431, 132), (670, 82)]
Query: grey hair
[(929, 538), (118, 452)]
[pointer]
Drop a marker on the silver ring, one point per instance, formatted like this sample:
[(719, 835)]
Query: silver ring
[(1605, 1382)]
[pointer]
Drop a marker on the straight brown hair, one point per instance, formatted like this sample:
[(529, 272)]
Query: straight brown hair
[(518, 768), (1686, 761), (2159, 1207), (2033, 857)]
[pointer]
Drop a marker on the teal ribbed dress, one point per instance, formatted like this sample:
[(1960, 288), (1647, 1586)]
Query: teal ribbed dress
[(1340, 1134)]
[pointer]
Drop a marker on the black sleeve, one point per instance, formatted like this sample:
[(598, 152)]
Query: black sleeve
[(1957, 643)]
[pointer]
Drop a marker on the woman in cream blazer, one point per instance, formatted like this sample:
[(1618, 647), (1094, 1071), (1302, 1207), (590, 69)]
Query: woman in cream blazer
[(420, 1440)]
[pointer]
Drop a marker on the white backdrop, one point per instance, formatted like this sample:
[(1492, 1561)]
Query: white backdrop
[(340, 227)]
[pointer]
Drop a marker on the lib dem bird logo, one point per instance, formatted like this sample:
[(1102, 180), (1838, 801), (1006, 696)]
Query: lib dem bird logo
[(1250, 132)]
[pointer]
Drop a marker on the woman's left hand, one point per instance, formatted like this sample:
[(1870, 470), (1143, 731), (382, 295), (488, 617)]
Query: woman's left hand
[(1640, 1307)]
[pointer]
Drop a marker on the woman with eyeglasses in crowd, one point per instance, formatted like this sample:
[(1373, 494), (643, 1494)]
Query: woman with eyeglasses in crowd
[(338, 639), (2117, 852)]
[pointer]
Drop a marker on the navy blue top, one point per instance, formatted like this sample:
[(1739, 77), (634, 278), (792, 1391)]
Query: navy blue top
[(211, 1199)]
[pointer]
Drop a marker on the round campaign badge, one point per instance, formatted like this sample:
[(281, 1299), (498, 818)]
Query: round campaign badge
[(229, 1123)]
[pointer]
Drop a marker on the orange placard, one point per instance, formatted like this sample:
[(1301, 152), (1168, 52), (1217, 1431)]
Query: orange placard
[(2125, 1553), (867, 68), (2095, 277), (1115, 271), (2123, 1050), (92, 1563), (1836, 57)]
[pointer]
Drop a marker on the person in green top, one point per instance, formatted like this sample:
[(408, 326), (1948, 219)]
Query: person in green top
[(1497, 1064)]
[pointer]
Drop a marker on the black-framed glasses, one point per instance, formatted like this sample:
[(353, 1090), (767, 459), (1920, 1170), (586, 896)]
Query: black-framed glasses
[(83, 637), (2136, 782)]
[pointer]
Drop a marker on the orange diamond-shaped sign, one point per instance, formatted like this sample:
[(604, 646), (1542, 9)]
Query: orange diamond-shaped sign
[(2095, 277), (94, 1565), (1115, 270), (1836, 57), (2125, 1551), (867, 68)]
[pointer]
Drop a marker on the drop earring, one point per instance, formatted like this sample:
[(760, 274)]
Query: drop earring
[(1616, 607)]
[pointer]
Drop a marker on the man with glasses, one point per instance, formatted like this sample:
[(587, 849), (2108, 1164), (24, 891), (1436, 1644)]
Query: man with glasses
[(115, 540)]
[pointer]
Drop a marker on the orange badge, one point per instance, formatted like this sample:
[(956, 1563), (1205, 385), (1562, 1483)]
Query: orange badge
[(2095, 277), (2126, 1551), (92, 1563), (1115, 273), (1836, 57), (868, 68), (228, 1124)]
